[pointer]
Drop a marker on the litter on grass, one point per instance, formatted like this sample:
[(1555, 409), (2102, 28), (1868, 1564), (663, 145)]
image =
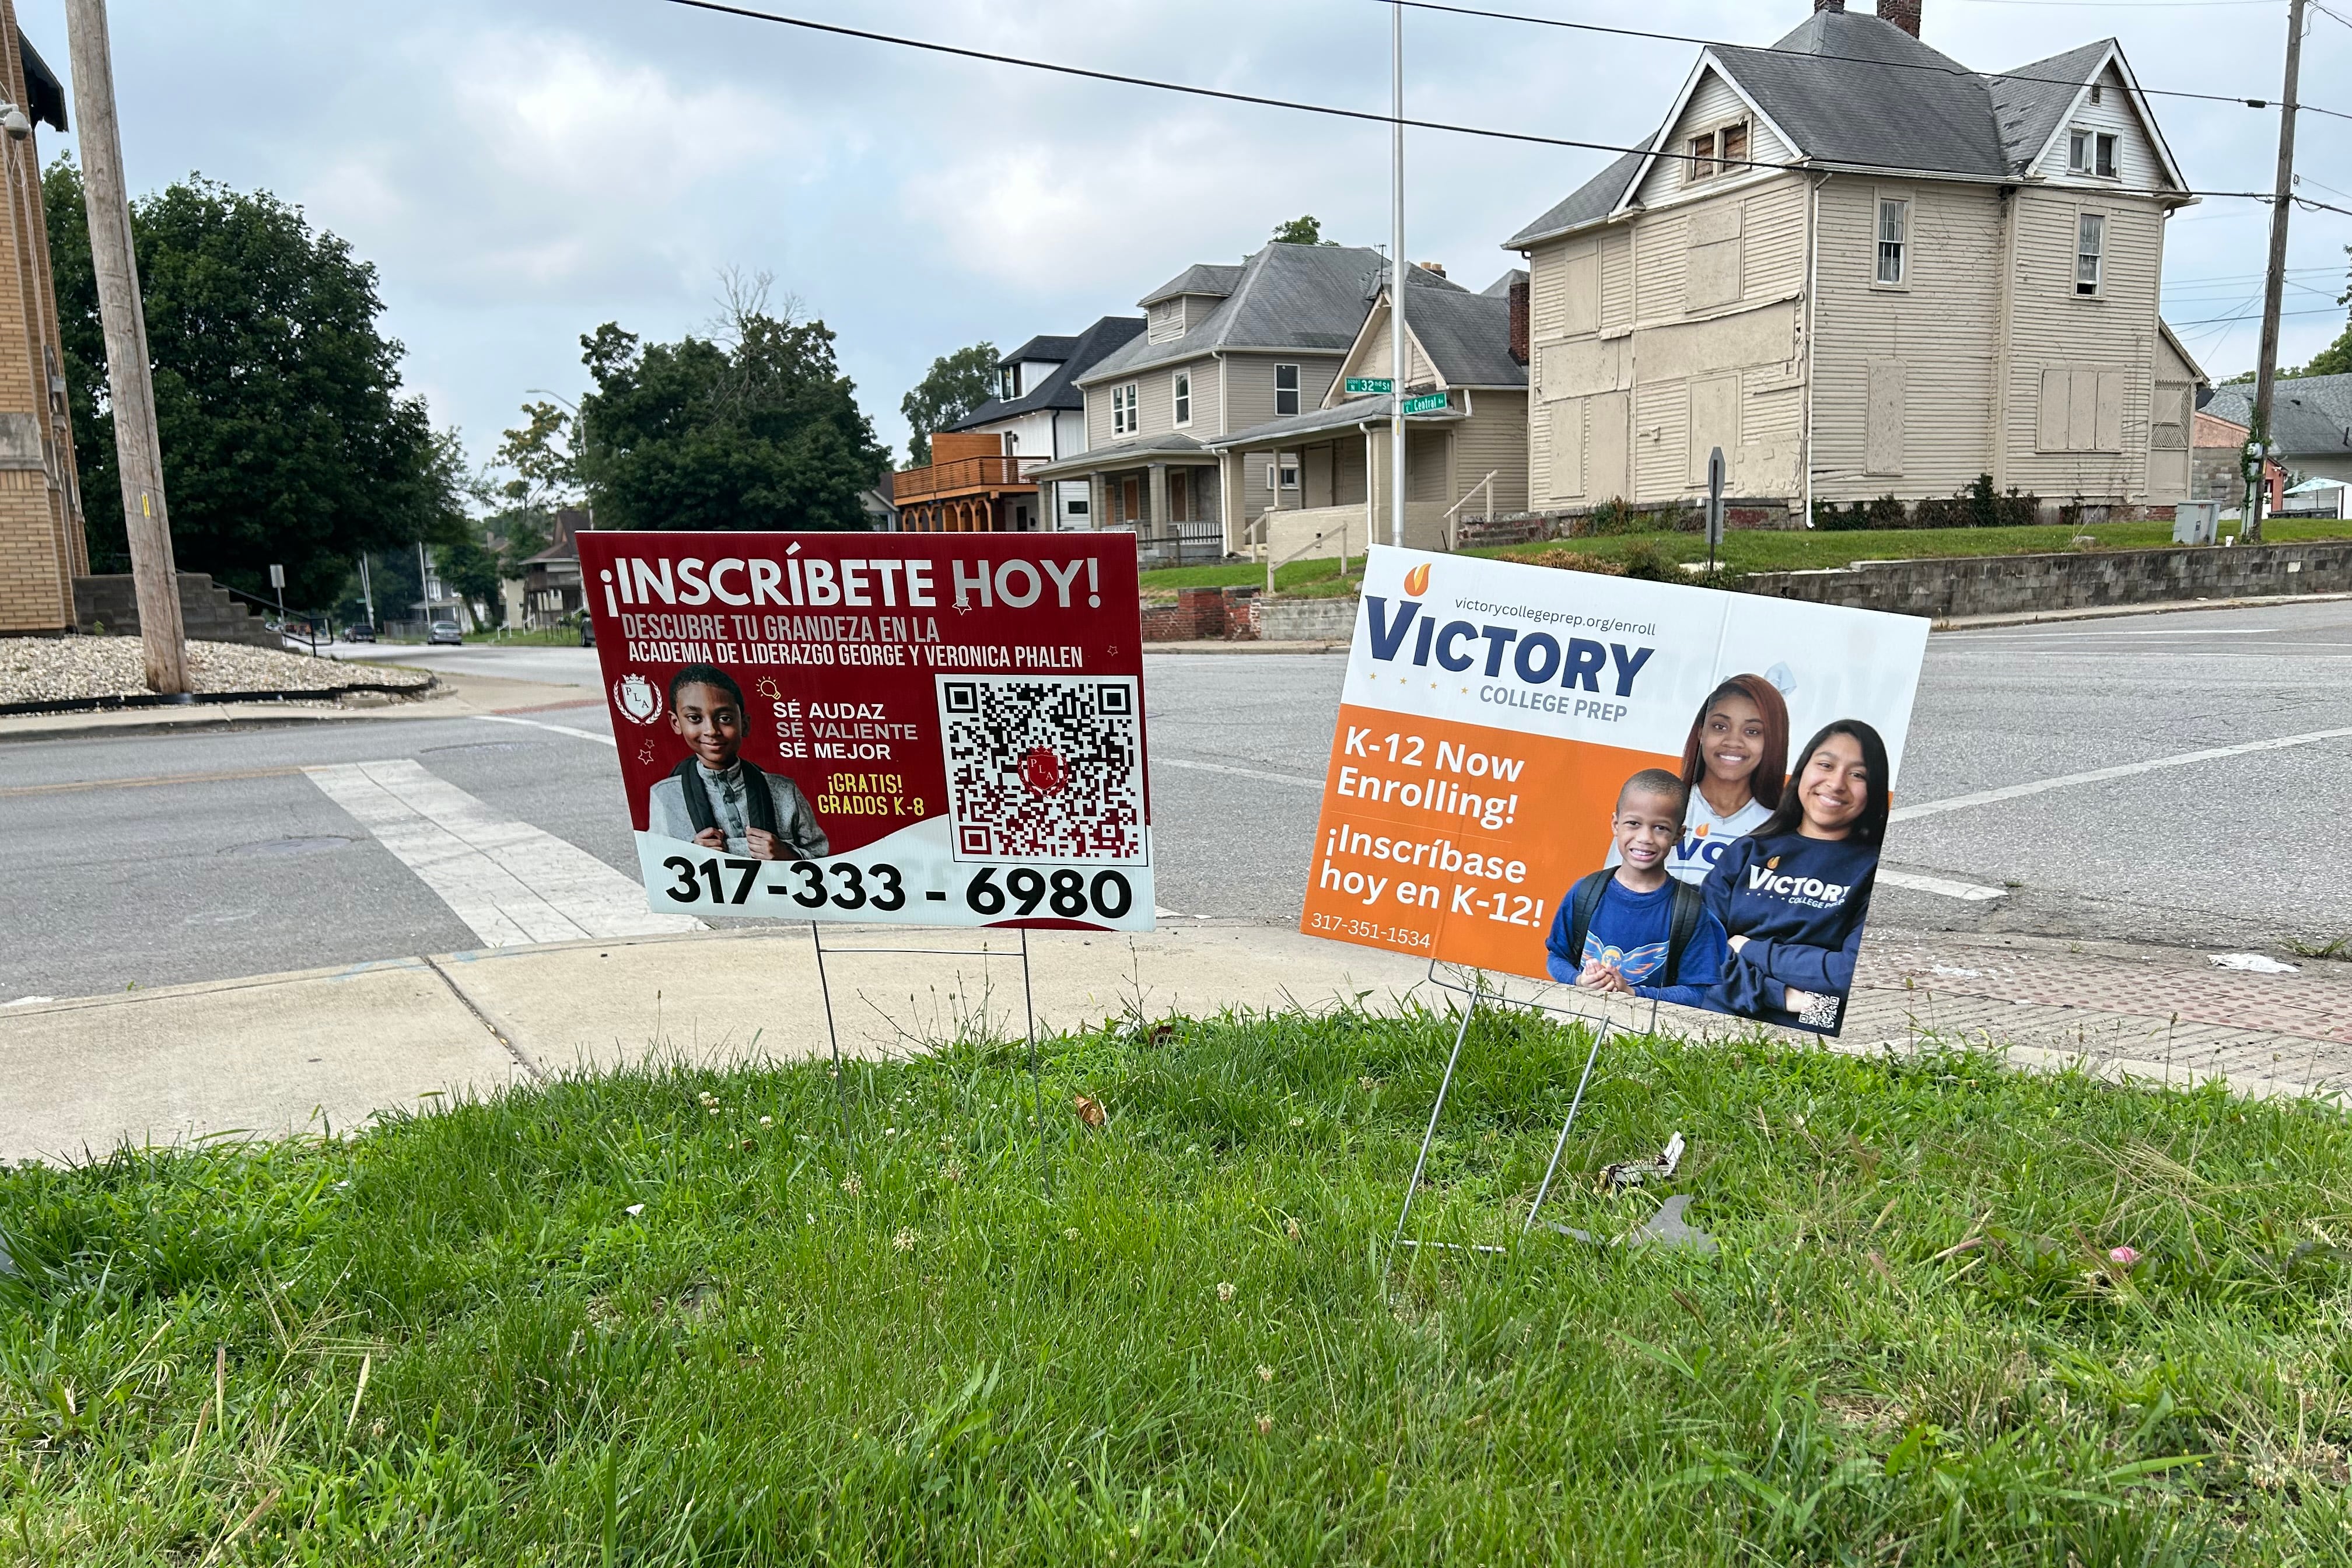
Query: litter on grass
[(1664, 1228), (1627, 1173), (2252, 964)]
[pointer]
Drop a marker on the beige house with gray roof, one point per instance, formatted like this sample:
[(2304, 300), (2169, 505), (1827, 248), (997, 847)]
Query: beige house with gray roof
[(1862, 268)]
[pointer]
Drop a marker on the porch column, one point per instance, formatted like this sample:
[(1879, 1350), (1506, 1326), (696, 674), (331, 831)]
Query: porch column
[(1098, 493), (1155, 504)]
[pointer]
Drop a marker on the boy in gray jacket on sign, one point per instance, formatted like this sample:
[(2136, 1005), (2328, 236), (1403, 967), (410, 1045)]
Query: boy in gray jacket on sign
[(716, 799)]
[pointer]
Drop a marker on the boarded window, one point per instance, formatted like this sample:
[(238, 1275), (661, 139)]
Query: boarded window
[(1567, 450), (1580, 303), (2082, 411), (1714, 422), (1734, 146), (1701, 162), (1605, 469), (1713, 276), (1883, 438)]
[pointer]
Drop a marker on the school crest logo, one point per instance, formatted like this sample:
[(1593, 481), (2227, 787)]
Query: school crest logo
[(639, 701)]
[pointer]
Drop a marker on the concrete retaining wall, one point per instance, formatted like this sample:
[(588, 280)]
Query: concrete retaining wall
[(2015, 585), (1305, 620)]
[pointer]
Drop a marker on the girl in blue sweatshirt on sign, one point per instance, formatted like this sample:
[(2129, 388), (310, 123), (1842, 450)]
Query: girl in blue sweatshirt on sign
[(1793, 896)]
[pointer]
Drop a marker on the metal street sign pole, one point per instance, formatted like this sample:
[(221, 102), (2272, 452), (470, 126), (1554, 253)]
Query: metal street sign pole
[(1396, 271), (1713, 507)]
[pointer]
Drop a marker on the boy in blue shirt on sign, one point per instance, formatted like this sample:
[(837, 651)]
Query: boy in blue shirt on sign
[(1635, 929)]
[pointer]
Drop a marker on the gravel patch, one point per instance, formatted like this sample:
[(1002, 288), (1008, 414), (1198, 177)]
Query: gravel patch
[(65, 670)]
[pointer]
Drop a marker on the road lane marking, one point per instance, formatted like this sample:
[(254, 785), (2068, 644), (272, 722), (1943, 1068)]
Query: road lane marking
[(557, 728), (2098, 775), (1943, 887), (1237, 772), (509, 882)]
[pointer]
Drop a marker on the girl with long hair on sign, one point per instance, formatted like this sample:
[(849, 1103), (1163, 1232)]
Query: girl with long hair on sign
[(1793, 895), (1734, 765)]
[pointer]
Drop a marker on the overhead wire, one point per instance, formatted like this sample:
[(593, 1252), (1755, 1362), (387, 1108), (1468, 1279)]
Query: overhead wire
[(1953, 69), (1264, 100)]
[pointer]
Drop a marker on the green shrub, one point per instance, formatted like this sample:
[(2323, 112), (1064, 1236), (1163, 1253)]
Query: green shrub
[(1647, 562)]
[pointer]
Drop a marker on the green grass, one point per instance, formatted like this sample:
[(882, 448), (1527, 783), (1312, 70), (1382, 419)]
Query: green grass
[(1300, 579), (1775, 550), (449, 1341)]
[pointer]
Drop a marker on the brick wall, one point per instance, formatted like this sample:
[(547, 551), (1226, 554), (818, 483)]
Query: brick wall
[(1197, 614)]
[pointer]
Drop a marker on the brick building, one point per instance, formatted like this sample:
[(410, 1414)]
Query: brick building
[(42, 548)]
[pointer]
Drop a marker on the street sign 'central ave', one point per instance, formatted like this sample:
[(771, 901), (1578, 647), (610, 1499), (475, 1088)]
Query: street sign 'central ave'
[(1428, 403)]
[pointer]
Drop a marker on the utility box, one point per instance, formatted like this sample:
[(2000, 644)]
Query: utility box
[(2195, 522)]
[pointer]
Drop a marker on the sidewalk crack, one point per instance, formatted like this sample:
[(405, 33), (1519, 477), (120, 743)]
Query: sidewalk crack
[(523, 1057)]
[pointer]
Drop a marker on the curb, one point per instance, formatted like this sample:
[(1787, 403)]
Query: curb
[(1251, 645), (202, 699), (2104, 612)]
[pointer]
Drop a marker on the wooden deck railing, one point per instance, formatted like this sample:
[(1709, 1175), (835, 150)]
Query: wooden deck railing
[(963, 476)]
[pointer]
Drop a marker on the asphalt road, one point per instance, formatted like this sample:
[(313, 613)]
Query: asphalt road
[(164, 858)]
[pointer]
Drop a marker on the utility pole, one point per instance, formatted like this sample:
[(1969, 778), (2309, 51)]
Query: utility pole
[(2275, 284), (1397, 377), (138, 448)]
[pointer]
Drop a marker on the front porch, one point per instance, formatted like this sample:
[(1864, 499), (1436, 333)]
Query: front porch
[(1335, 460), (1168, 492), (971, 486)]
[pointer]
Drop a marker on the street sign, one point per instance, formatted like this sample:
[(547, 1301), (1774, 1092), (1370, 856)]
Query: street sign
[(278, 576), (1369, 384), (1428, 403), (1714, 505)]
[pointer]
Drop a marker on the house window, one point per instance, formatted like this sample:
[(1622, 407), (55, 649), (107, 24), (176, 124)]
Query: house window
[(1894, 241), (1123, 410), (2091, 152), (1183, 397), (1286, 389), (1009, 382), (1702, 158), (1735, 145), (2090, 245), (1283, 472), (1076, 508)]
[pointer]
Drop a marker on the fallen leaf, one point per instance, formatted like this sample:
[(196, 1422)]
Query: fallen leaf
[(1090, 1111)]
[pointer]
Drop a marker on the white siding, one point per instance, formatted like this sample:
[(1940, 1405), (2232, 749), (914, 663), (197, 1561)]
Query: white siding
[(2090, 339), (1712, 105), (2137, 165)]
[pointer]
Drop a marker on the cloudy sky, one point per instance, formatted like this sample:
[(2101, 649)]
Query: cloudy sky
[(522, 170)]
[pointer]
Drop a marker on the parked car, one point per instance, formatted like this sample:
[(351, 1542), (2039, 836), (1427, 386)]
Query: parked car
[(587, 631), (444, 632), (358, 631)]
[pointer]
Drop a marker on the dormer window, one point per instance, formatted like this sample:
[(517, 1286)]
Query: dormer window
[(1717, 152), (2091, 152), (1008, 382)]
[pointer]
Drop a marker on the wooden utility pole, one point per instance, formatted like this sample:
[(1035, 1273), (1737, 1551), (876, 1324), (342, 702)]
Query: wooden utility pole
[(139, 449), (2275, 284)]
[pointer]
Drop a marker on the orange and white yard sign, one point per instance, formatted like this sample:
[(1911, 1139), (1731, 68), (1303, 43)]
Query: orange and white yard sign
[(1492, 710)]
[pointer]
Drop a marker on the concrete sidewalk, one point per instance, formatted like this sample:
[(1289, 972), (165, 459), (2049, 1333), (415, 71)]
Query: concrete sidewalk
[(454, 696), (327, 1049)]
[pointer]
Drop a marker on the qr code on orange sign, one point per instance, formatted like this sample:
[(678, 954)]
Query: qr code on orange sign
[(1044, 768)]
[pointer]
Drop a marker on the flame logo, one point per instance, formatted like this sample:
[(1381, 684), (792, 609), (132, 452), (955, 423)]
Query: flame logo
[(1416, 582)]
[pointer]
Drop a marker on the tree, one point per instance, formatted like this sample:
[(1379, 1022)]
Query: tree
[(758, 430), (286, 438), (958, 384), (1306, 230), (542, 467)]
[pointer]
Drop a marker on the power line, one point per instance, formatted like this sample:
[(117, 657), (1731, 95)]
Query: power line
[(1262, 100), (2208, 320), (1954, 69)]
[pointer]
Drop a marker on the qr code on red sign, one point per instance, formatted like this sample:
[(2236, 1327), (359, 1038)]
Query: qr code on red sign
[(1044, 768)]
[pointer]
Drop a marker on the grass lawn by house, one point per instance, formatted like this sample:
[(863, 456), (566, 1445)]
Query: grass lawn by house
[(675, 1317), (1766, 549)]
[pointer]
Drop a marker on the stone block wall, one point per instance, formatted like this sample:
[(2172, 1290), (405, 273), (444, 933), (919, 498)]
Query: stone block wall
[(2019, 584)]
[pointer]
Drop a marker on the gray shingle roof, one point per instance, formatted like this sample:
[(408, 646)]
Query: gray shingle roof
[(1849, 89), (1309, 298), (1059, 390), (1052, 350), (1122, 454), (1215, 279), (2311, 416), (1500, 288), (1468, 337)]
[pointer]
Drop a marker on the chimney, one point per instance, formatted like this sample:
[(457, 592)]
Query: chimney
[(1435, 269), (1829, 5), (1904, 14), (1519, 318)]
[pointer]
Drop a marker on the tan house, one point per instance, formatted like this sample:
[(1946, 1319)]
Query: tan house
[(1224, 349), (1862, 270), (1467, 459)]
